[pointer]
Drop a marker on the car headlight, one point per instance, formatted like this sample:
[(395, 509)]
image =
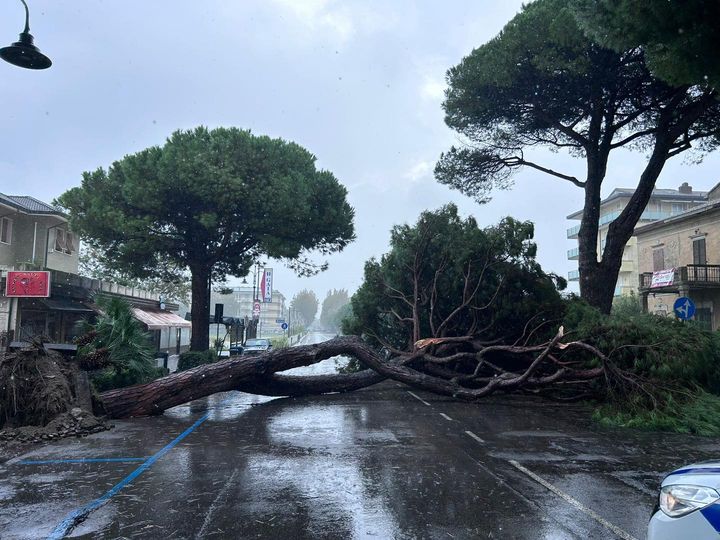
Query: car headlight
[(679, 500)]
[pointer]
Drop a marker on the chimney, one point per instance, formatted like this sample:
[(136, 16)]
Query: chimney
[(685, 188)]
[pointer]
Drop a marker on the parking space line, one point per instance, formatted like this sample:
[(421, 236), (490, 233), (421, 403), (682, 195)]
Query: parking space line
[(82, 460), (478, 439), (78, 515), (445, 416), (574, 502), (418, 398)]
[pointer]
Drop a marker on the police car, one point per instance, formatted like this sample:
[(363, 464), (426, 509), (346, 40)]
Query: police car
[(689, 504)]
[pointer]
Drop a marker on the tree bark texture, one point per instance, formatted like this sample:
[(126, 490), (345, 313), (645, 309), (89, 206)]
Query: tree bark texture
[(200, 337), (252, 374), (529, 368)]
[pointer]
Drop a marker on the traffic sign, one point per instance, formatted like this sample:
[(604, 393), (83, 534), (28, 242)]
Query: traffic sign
[(684, 308), (284, 326), (279, 321), (256, 309)]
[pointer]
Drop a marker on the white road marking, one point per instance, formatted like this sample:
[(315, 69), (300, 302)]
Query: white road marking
[(478, 439), (445, 416), (220, 497), (577, 504), (419, 398)]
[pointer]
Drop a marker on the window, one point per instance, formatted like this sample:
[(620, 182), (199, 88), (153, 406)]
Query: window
[(69, 242), (658, 259), (59, 240), (678, 208), (64, 241), (6, 230), (699, 253)]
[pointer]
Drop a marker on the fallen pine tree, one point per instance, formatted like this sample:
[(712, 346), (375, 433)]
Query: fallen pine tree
[(482, 373)]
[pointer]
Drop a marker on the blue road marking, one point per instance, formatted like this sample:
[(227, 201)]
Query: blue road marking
[(78, 515), (82, 460)]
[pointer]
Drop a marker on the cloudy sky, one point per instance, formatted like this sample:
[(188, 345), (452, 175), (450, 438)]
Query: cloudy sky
[(357, 82)]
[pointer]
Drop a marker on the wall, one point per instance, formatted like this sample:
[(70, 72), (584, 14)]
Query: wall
[(676, 240), (24, 233)]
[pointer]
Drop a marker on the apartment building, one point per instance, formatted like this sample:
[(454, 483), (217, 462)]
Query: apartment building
[(680, 256), (238, 302), (664, 203), (36, 236)]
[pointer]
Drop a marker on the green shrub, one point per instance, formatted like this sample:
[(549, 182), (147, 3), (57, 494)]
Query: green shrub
[(279, 342), (697, 413), (191, 359)]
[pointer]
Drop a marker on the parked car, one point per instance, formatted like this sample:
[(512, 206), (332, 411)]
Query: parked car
[(256, 346), (236, 348), (688, 505)]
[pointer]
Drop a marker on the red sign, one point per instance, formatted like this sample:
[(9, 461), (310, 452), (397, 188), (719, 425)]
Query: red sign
[(256, 309), (22, 284)]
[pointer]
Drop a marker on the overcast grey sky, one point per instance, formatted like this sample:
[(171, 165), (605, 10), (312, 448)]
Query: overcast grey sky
[(359, 83)]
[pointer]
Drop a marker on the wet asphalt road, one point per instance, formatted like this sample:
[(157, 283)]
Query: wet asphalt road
[(377, 463)]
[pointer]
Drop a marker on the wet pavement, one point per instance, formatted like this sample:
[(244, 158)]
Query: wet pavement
[(383, 463)]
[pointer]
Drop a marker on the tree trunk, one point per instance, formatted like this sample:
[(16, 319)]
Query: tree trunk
[(255, 374), (200, 338)]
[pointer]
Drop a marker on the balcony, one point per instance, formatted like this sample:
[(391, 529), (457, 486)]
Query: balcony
[(690, 277), (647, 215), (572, 232), (573, 254), (574, 275)]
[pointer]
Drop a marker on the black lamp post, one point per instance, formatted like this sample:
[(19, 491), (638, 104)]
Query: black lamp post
[(24, 53)]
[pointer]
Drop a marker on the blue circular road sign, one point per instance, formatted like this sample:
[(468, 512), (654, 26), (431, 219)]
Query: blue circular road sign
[(284, 326), (684, 308)]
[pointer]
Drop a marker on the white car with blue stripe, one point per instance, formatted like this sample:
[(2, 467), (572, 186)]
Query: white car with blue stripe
[(689, 504)]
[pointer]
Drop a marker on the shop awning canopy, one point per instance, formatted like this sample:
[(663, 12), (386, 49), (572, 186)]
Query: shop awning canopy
[(64, 304), (159, 319)]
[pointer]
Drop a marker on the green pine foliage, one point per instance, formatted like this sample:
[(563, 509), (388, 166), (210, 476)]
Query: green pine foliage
[(677, 363), (210, 202), (460, 279)]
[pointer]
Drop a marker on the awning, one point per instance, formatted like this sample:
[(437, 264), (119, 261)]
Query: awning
[(64, 304), (158, 319)]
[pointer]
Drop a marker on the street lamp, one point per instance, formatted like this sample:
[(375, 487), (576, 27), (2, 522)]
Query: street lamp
[(24, 53)]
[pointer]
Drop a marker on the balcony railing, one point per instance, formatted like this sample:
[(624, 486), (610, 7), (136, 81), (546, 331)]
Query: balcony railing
[(572, 232), (573, 254), (574, 275), (692, 275)]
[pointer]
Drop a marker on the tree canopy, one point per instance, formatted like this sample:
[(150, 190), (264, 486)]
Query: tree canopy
[(332, 308), (445, 276), (212, 202), (542, 83), (171, 284), (305, 304), (680, 38)]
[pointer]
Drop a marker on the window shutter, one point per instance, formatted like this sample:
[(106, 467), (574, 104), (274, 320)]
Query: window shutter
[(699, 253), (658, 259)]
